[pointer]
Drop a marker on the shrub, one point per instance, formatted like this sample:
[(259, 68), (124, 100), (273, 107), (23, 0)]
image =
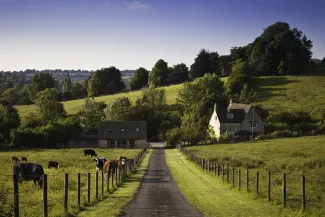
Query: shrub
[(225, 137)]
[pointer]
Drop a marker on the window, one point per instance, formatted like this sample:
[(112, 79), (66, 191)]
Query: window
[(137, 130), (122, 129), (253, 124), (230, 115), (108, 130)]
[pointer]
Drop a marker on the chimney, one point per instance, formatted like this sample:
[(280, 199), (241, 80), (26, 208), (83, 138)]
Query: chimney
[(230, 102), (215, 106)]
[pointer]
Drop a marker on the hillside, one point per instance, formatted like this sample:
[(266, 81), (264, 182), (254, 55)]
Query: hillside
[(293, 93), (73, 106), (284, 93)]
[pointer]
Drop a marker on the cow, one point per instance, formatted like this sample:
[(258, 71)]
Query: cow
[(122, 163), (90, 152), (53, 164), (24, 159), (29, 172), (108, 167), (100, 163), (15, 159)]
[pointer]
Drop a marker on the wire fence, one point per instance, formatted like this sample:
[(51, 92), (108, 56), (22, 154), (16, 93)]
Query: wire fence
[(61, 193), (290, 190)]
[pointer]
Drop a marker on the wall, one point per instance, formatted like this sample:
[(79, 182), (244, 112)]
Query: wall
[(246, 124), (215, 124), (141, 144)]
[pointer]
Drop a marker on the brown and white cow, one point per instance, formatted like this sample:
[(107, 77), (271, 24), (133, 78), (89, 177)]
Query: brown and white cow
[(24, 159), (122, 162), (15, 159), (108, 167)]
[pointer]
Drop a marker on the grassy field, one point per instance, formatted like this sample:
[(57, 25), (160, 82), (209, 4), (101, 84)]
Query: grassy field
[(114, 205), (72, 161), (73, 106), (293, 93), (293, 156), (213, 198)]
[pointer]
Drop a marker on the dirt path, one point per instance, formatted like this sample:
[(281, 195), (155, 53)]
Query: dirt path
[(159, 194)]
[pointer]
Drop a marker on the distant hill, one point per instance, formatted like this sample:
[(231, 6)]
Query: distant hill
[(75, 75)]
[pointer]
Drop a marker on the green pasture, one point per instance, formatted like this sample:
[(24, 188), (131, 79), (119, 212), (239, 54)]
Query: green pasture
[(72, 162), (292, 156)]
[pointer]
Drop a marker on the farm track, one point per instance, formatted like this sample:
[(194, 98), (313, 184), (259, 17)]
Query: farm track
[(159, 194)]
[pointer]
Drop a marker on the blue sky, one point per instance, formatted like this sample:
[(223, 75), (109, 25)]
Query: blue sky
[(90, 34)]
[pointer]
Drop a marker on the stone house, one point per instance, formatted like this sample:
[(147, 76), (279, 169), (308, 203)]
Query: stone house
[(239, 120), (118, 134)]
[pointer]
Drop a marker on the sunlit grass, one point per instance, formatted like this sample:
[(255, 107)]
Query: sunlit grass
[(292, 156), (213, 198), (72, 162)]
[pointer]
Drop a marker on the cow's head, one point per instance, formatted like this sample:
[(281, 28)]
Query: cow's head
[(123, 160), (100, 163)]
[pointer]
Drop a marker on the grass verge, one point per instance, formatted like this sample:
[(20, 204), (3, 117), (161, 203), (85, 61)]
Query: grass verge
[(213, 198), (114, 204)]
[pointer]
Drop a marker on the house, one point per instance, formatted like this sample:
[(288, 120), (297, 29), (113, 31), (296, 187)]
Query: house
[(122, 134), (118, 134), (238, 120)]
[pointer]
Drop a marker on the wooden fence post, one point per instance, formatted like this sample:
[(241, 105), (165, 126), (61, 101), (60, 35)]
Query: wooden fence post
[(218, 170), (16, 195), (233, 177), (96, 185), (257, 182), (45, 207), (66, 187), (239, 179), (247, 180), (284, 190), (303, 183), (269, 187), (223, 173), (102, 182), (88, 188), (107, 181), (116, 177), (215, 168), (228, 174), (78, 191)]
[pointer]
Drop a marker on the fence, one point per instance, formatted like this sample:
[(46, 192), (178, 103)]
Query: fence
[(72, 188), (260, 184)]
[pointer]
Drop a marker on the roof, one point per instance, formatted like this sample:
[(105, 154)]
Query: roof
[(239, 115), (135, 130), (232, 106)]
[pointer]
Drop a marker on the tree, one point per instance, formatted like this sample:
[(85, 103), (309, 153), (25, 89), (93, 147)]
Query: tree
[(139, 79), (239, 53), (66, 87), (189, 130), (119, 110), (9, 120), (41, 82), (105, 81), (152, 97), (200, 96), (225, 65), (323, 60), (238, 78), (92, 113), (10, 95), (201, 65), (280, 49), (178, 74), (48, 106), (158, 74), (78, 91)]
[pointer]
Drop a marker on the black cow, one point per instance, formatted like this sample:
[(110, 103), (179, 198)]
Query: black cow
[(29, 172), (90, 152), (100, 163), (53, 164)]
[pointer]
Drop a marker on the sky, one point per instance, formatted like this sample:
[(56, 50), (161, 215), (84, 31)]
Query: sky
[(127, 34)]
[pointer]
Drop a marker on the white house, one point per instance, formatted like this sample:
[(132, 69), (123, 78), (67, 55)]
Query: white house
[(237, 120)]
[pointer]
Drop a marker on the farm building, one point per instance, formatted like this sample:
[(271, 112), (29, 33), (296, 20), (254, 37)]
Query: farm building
[(238, 120), (119, 134)]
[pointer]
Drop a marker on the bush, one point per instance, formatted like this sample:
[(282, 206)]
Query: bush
[(225, 137)]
